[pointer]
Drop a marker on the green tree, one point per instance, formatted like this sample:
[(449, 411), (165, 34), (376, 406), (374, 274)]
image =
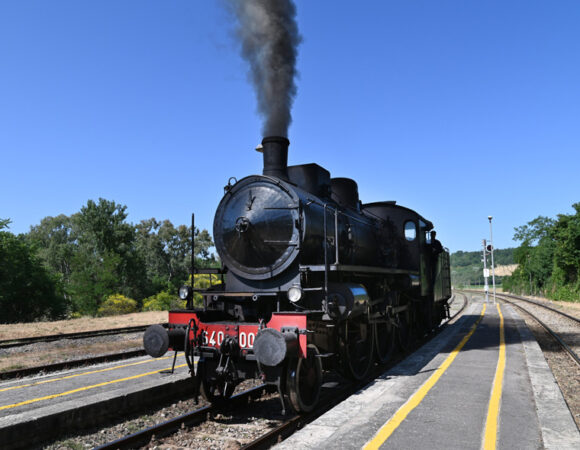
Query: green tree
[(166, 252), (566, 275), (56, 246), (96, 253), (106, 261), (27, 290), (549, 257), (534, 257), (567, 252), (152, 252)]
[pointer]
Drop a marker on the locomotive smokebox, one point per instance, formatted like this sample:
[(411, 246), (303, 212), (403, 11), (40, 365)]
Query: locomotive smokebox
[(275, 150)]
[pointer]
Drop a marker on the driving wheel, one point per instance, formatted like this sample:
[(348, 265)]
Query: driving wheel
[(357, 348), (303, 380)]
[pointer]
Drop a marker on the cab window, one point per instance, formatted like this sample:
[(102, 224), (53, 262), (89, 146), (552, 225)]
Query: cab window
[(410, 230)]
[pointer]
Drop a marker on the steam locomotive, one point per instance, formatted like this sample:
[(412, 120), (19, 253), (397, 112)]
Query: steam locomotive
[(310, 277)]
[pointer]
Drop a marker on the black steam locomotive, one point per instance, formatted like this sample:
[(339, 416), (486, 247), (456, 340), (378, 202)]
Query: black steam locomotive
[(310, 276)]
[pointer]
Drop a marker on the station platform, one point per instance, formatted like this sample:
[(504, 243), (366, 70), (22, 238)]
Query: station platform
[(483, 382), (35, 409)]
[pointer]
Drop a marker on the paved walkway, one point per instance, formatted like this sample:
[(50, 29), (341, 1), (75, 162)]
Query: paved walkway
[(481, 383)]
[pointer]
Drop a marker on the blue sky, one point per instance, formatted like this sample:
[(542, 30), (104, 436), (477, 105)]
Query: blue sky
[(456, 109)]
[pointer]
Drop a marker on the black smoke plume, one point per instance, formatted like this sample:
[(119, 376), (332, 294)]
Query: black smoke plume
[(269, 36)]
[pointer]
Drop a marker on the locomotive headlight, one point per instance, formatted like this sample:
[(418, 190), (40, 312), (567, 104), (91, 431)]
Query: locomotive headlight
[(295, 294), (185, 292)]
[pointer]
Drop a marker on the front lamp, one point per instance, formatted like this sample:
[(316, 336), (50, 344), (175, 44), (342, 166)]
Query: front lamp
[(185, 292), (295, 294)]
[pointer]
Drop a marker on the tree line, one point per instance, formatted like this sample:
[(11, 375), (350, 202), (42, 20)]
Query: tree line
[(95, 262), (548, 257), (467, 267)]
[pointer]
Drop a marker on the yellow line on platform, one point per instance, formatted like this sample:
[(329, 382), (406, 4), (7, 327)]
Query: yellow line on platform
[(81, 374), (388, 428), (86, 388), (491, 425)]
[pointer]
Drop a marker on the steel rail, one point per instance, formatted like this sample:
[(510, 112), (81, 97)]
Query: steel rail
[(8, 343), (330, 400), (534, 302), (288, 427), (555, 335), (460, 309), (28, 371), (143, 437)]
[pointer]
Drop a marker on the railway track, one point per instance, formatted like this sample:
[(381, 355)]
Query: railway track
[(171, 426), (534, 302), (460, 310), (243, 399), (333, 397), (512, 299), (8, 343)]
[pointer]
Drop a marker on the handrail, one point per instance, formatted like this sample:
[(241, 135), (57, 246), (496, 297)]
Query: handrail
[(325, 248), (336, 249)]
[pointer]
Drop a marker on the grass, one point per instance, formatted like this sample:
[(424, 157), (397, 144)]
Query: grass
[(33, 329)]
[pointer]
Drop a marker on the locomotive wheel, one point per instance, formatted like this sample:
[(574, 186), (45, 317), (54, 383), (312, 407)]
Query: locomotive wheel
[(385, 339), (357, 348), (303, 381), (215, 392)]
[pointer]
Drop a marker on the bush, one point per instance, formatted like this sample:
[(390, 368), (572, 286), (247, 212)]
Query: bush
[(163, 301), (566, 293), (117, 304), (202, 281)]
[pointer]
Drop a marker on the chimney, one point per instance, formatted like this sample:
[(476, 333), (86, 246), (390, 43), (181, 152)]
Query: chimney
[(275, 150)]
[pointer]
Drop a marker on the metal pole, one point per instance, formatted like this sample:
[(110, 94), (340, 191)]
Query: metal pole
[(485, 271), (492, 264), (325, 243), (190, 302)]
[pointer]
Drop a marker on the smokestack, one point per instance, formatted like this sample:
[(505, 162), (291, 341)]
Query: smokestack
[(269, 36), (275, 150)]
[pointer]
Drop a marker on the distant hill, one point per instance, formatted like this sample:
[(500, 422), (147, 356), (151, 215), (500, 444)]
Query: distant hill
[(467, 267)]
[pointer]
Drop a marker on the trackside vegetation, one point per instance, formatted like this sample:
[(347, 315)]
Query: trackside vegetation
[(95, 262), (467, 267), (548, 257)]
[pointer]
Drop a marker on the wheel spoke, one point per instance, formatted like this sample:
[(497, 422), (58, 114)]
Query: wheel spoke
[(358, 349), (304, 379)]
